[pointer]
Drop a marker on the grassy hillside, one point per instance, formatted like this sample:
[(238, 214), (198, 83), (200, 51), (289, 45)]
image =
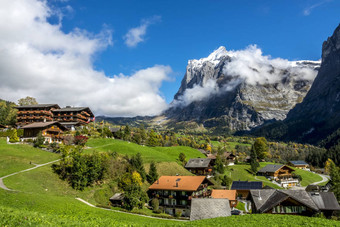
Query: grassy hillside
[(42, 199), (242, 172), (307, 177), (157, 154), (14, 158)]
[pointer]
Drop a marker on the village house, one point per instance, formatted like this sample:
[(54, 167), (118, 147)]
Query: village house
[(176, 192), (243, 187), (35, 113), (71, 117), (52, 131), (282, 174), (117, 199), (298, 202), (299, 164), (225, 194), (227, 156), (200, 166)]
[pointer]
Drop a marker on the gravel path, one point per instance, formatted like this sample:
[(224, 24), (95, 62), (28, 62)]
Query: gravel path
[(118, 211), (3, 186), (325, 178)]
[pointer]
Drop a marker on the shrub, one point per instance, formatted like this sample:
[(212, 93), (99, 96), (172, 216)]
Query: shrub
[(80, 140), (178, 214), (155, 204), (14, 137), (39, 141)]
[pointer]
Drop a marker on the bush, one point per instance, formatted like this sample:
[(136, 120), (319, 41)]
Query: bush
[(178, 214), (80, 140), (14, 137), (155, 204), (39, 141)]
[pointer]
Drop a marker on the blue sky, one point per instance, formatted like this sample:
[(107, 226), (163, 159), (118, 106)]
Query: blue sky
[(95, 35), (293, 30)]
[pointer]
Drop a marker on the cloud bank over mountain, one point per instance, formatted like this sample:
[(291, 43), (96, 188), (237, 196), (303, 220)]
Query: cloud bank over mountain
[(248, 66), (38, 59)]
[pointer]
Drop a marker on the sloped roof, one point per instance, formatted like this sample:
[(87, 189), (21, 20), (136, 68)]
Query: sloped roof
[(43, 125), (266, 199), (117, 197), (198, 163), (184, 183), (223, 194), (225, 154), (259, 197), (38, 106), (325, 200), (239, 185), (204, 208), (271, 168), (299, 162)]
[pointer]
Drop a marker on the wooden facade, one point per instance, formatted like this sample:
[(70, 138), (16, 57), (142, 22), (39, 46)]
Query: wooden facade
[(52, 131), (80, 115), (35, 113), (200, 166), (176, 192)]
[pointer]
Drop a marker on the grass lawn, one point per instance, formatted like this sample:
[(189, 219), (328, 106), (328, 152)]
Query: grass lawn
[(157, 154), (308, 177), (15, 157), (230, 145), (42, 199), (241, 172), (169, 169)]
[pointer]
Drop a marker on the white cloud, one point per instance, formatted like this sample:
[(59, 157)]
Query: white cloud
[(136, 35), (308, 10), (38, 59), (249, 66)]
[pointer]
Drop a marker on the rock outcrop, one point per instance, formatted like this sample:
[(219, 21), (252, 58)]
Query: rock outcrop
[(240, 89)]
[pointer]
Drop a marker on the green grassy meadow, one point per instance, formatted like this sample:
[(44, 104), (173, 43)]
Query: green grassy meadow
[(14, 157), (42, 199), (307, 177), (157, 154)]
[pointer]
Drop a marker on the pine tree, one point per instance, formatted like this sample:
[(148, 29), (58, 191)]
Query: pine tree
[(137, 163), (219, 167), (253, 160), (335, 178), (153, 175)]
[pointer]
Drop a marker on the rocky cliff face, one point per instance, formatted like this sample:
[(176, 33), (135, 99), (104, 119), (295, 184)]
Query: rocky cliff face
[(319, 113), (240, 89)]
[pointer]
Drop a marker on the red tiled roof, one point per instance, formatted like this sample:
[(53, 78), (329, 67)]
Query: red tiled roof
[(184, 183), (224, 194)]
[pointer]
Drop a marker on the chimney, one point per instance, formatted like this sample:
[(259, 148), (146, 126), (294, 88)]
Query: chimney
[(176, 184), (157, 182)]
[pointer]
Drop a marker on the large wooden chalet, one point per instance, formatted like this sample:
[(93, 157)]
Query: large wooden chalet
[(282, 174), (52, 131), (73, 116), (176, 192), (298, 202), (200, 166), (70, 117), (35, 113)]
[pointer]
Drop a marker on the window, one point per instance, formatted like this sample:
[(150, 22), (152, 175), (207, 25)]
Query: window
[(166, 193), (166, 201), (173, 202), (183, 193), (183, 202)]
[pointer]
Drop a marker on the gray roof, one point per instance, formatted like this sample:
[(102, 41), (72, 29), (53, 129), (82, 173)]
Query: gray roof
[(117, 197), (325, 200), (70, 123), (299, 162), (38, 106), (43, 125), (204, 208), (266, 199), (246, 185), (198, 163), (270, 168)]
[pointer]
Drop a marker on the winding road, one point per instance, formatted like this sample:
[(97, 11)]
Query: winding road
[(3, 186)]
